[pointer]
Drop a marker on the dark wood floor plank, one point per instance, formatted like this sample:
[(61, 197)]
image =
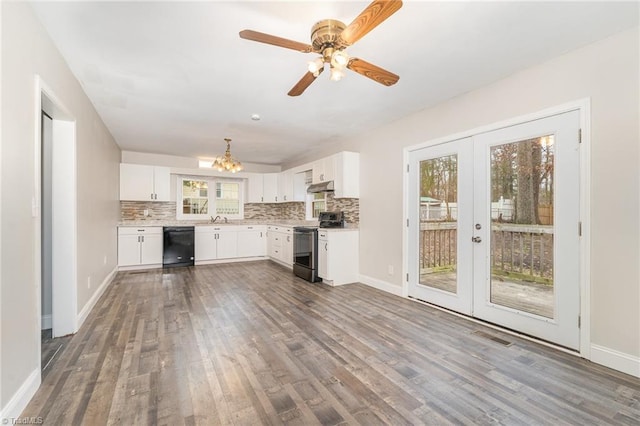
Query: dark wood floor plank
[(249, 343)]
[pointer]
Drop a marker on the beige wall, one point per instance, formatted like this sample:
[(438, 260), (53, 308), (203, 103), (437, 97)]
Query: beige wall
[(26, 51), (607, 72)]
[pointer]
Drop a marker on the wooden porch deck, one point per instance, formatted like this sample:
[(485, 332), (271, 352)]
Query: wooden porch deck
[(529, 297)]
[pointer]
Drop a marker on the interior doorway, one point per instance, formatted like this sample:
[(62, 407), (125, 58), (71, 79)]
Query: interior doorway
[(55, 205), (494, 227)]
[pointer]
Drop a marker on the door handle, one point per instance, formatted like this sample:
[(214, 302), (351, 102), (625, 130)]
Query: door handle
[(476, 239)]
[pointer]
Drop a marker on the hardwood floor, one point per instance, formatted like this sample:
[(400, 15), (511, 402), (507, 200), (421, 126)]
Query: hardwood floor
[(249, 343), (50, 349)]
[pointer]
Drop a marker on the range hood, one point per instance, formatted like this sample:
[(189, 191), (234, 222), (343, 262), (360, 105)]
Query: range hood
[(321, 187)]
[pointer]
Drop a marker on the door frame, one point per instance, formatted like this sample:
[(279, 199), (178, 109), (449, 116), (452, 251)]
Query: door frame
[(64, 212), (584, 107)]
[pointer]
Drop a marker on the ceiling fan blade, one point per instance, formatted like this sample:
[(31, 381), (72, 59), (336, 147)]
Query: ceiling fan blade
[(373, 72), (276, 41), (372, 16), (304, 82)]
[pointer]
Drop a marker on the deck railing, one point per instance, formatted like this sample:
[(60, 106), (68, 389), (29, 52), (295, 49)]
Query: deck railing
[(522, 251)]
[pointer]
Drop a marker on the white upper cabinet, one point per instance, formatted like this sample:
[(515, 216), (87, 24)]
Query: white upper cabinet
[(343, 169), (285, 187), (270, 187), (290, 185), (347, 175), (299, 187), (324, 169), (144, 183), (255, 188)]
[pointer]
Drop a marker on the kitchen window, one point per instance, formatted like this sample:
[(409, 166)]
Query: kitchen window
[(318, 204), (228, 200), (206, 198)]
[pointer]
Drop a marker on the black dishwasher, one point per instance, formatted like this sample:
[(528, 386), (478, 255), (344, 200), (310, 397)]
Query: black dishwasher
[(177, 246)]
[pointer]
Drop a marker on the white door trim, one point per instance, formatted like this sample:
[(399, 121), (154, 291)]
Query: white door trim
[(65, 256), (584, 106)]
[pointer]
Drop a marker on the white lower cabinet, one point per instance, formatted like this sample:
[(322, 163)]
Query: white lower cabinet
[(338, 256), (142, 246), (215, 242), (280, 244), (139, 246), (252, 241), (229, 242)]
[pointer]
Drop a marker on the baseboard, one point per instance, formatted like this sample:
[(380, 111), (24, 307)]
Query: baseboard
[(84, 313), (381, 285), (232, 260), (46, 322), (620, 361), (21, 398), (140, 267)]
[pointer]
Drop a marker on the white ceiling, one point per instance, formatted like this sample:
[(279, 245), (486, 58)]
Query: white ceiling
[(175, 78)]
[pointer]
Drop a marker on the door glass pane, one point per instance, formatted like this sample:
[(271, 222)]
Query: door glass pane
[(522, 225), (438, 222)]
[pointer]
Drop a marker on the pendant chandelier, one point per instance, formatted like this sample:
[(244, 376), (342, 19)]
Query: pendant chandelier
[(226, 163)]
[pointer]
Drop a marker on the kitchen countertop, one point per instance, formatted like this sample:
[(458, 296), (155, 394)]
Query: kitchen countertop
[(287, 223), (208, 223)]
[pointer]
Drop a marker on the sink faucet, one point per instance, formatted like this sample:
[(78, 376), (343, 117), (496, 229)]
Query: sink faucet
[(214, 220)]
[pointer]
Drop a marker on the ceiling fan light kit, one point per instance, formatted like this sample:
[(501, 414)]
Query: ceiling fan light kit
[(330, 38), (336, 73), (315, 65)]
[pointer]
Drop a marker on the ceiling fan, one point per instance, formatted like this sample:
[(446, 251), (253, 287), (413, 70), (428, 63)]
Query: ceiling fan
[(330, 38)]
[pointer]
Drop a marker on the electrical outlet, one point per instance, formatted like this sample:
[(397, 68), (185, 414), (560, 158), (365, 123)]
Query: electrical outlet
[(146, 213), (89, 281), (390, 269)]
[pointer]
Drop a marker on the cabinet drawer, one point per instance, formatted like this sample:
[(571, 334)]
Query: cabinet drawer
[(142, 230)]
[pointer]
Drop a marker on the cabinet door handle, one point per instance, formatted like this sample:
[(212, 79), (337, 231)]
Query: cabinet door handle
[(325, 246), (276, 198), (262, 199), (142, 238), (152, 195), (260, 234)]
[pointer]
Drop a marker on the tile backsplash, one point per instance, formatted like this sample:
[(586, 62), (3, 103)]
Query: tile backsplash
[(266, 211), (350, 207), (134, 210), (158, 210)]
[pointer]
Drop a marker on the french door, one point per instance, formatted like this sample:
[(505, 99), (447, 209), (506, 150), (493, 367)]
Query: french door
[(493, 227)]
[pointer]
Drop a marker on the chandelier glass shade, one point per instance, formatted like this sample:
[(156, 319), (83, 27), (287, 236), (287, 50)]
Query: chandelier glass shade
[(226, 163)]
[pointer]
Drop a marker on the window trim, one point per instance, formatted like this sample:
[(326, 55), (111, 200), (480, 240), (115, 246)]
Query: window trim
[(310, 201), (180, 198), (240, 183), (211, 196)]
